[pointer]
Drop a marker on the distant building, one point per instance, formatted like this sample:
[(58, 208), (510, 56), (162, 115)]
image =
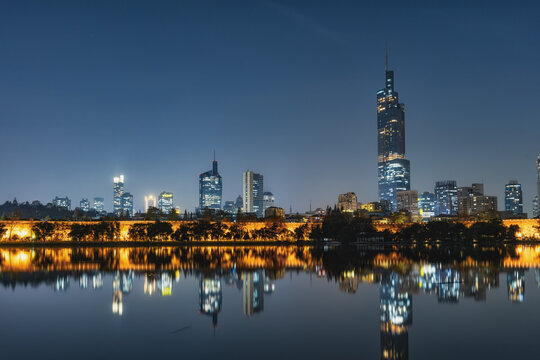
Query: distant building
[(347, 202), (427, 204), (64, 202), (99, 205), (253, 185), (274, 213), (239, 203), (393, 167), (483, 203), (536, 210), (118, 191), (149, 202), (268, 200), (210, 189), (84, 204), (230, 207), (165, 202), (513, 197), (127, 204), (407, 201), (465, 196), (446, 197)]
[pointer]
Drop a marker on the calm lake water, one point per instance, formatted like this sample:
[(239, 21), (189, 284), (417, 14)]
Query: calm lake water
[(270, 303)]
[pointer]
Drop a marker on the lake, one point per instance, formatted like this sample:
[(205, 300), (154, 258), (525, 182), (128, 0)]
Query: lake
[(270, 302)]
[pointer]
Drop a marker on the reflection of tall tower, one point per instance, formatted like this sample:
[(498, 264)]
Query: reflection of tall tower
[(122, 284), (253, 292), (396, 316), (210, 297), (516, 285)]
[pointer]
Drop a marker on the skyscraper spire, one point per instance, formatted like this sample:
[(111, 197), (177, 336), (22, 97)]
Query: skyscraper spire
[(386, 59)]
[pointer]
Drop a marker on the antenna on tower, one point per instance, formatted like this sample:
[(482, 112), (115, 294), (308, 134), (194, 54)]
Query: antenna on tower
[(386, 58)]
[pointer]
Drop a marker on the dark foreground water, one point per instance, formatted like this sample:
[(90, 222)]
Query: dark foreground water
[(270, 303)]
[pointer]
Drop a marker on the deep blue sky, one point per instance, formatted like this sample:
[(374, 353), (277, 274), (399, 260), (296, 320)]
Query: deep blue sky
[(91, 89)]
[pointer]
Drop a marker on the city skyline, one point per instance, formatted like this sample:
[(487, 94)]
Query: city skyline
[(323, 98)]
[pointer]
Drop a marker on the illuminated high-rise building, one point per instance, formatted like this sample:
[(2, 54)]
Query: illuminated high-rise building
[(446, 196), (393, 168), (64, 202), (84, 204), (165, 202), (427, 204), (252, 189), (127, 204), (407, 201), (99, 205), (149, 202), (513, 197), (118, 191), (536, 209), (210, 189)]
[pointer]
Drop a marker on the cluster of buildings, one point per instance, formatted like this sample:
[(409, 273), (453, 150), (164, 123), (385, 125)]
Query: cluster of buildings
[(254, 200), (394, 183)]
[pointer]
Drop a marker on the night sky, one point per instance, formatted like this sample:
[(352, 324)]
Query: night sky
[(93, 89)]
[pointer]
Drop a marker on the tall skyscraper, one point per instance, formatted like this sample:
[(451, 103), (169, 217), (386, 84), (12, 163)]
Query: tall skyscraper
[(99, 205), (84, 205), (513, 197), (210, 189), (127, 204), (536, 210), (393, 168), (252, 189), (118, 191), (165, 202), (446, 196)]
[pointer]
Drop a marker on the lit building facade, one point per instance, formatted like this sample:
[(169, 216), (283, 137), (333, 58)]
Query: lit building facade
[(407, 201), (127, 204), (483, 203), (252, 189), (84, 204), (513, 197), (230, 207), (536, 209), (99, 205), (165, 202), (465, 196), (64, 202), (347, 202), (427, 204), (268, 200), (393, 167), (149, 202), (210, 189), (118, 191), (446, 197)]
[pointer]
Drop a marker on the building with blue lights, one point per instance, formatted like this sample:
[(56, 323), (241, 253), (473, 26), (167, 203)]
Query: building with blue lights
[(210, 189), (513, 197), (393, 168)]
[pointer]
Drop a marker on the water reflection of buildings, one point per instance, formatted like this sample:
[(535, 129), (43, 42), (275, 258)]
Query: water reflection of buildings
[(122, 284), (516, 285), (395, 316), (210, 297)]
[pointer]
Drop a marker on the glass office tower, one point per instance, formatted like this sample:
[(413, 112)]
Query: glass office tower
[(393, 168), (210, 189), (513, 197)]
